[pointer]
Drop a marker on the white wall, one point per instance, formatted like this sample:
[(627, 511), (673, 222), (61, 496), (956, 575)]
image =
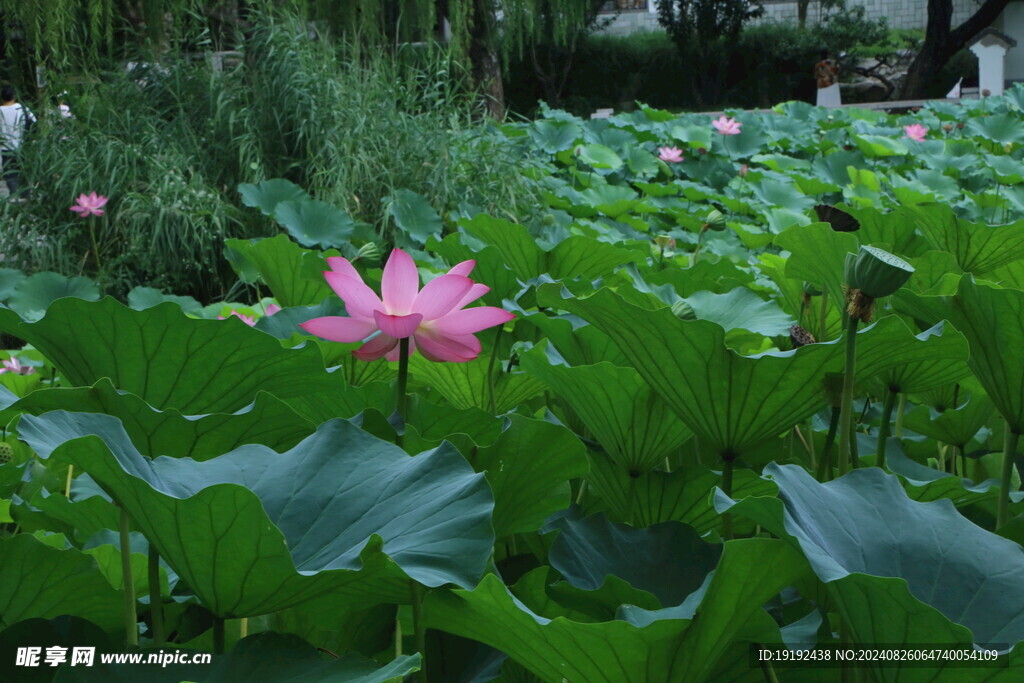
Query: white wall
[(1011, 22)]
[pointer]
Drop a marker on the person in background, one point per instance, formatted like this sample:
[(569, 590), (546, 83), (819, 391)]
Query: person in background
[(826, 73), (15, 120)]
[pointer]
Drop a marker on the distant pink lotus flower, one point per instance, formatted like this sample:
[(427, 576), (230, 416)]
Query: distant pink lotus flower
[(726, 125), (433, 318), (743, 171), (89, 204), (15, 366), (672, 155), (916, 132), (272, 309), (247, 319)]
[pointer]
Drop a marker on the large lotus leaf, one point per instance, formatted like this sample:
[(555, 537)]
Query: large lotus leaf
[(670, 646), (81, 517), (977, 248), (939, 359), (781, 194), (668, 560), (529, 468), (874, 146), (582, 257), (627, 418), (34, 295), (168, 359), (266, 195), (293, 274), (688, 364), (1006, 169), (141, 298), (549, 598), (999, 128), (313, 223), (992, 320), (600, 157), (956, 427), (10, 278), (578, 342), (817, 255), (553, 136), (38, 580), (266, 421), (681, 496), (741, 309), (925, 484), (413, 215), (517, 246), (467, 385), (864, 523), (254, 531)]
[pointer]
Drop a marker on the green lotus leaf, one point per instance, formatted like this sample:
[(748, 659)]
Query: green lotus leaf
[(626, 417), (266, 421), (313, 223), (776, 193), (600, 157), (491, 268), (576, 341), (956, 427), (10, 278), (668, 560), (167, 359), (357, 516), (141, 298), (467, 385), (34, 295), (999, 128), (741, 309), (874, 146), (925, 484), (38, 580), (818, 255), (266, 195), (80, 518), (940, 359), (688, 364), (1007, 169), (670, 647), (553, 136), (293, 274), (528, 469), (864, 526), (977, 248), (544, 596), (413, 215), (977, 310)]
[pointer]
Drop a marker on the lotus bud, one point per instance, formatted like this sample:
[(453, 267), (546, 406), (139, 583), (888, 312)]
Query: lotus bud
[(665, 241), (715, 221), (702, 150), (961, 125), (369, 252), (986, 92), (871, 274), (1008, 147), (800, 337), (684, 311), (948, 128), (743, 171), (811, 290)]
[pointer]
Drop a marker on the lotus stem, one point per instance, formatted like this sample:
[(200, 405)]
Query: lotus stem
[(825, 464), (823, 313), (95, 247), (1009, 451), (727, 459), (218, 635), (403, 381), (696, 251), (156, 607), (419, 628), (846, 404), (131, 620), (900, 409), (67, 485), (883, 429)]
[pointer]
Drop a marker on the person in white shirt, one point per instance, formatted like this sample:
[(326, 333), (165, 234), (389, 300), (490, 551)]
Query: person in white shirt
[(14, 121)]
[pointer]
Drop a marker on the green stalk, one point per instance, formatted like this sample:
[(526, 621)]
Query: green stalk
[(900, 409), (846, 404), (883, 429), (419, 628), (1009, 451), (156, 607), (218, 635), (131, 620), (825, 464), (403, 381)]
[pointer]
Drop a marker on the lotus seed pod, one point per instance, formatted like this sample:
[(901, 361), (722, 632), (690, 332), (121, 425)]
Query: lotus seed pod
[(684, 311), (665, 241), (875, 272), (810, 289), (800, 337), (948, 128), (6, 452)]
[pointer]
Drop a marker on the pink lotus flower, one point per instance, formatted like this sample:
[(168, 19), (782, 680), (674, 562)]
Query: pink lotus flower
[(89, 204), (726, 125), (15, 366), (916, 132), (272, 309), (743, 171), (433, 318), (247, 319), (672, 155)]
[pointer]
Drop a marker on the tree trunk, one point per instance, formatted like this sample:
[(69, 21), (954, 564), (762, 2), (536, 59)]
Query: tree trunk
[(486, 63), (941, 42), (801, 12)]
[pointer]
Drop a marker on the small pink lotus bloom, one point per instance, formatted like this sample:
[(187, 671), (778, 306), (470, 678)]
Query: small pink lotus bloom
[(247, 319), (272, 309), (89, 204), (434, 318), (743, 171), (726, 125), (916, 132), (15, 366), (672, 155)]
